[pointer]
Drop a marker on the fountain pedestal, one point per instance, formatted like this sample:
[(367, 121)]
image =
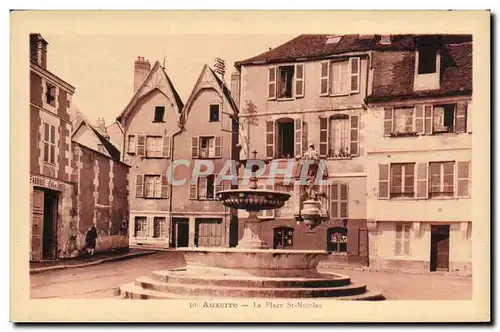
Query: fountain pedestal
[(251, 233)]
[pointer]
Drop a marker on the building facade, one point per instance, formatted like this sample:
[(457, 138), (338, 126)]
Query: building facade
[(311, 90), (209, 137), (149, 123), (419, 154)]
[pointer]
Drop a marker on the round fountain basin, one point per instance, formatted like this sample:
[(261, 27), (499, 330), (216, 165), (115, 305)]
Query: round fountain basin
[(257, 262), (253, 199)]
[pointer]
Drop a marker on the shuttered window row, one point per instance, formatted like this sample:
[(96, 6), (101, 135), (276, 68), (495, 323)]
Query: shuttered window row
[(149, 146)]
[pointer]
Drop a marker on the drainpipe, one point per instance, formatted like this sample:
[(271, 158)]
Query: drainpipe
[(171, 189)]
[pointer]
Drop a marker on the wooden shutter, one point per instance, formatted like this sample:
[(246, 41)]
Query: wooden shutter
[(355, 70), (419, 119), (164, 186), (353, 241), (133, 148), (166, 146), (299, 80), (141, 145), (325, 78), (202, 187), (323, 136), (334, 201), (272, 83), (406, 239), (195, 147), (218, 146), (398, 239), (388, 116), (298, 137), (428, 119), (355, 135), (383, 181), (422, 182), (218, 187), (461, 120), (344, 201), (269, 139), (463, 178), (139, 185), (193, 191)]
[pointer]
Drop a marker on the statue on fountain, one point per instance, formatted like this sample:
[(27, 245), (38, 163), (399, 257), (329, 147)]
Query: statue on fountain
[(310, 213)]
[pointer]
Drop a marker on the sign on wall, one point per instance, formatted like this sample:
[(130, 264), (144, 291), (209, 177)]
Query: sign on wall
[(48, 183)]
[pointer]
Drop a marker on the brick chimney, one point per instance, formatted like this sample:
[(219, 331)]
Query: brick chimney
[(101, 127), (141, 70), (38, 49), (235, 87)]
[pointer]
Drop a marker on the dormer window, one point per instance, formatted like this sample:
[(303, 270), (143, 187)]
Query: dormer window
[(159, 113), (333, 40), (427, 55), (427, 67)]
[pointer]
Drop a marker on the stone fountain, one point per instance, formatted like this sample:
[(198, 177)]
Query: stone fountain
[(251, 270)]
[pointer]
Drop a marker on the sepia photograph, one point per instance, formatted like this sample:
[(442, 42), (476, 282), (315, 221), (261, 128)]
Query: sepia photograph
[(244, 169)]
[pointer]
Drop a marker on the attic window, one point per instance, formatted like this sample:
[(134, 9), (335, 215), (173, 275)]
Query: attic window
[(333, 40), (159, 113), (385, 39), (427, 55)]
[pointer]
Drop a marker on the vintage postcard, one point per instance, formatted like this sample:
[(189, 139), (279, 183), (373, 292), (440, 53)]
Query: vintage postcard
[(244, 166)]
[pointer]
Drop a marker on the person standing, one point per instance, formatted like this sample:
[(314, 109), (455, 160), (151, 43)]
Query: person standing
[(90, 240)]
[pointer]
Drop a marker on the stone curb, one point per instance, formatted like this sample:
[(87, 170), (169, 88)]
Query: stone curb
[(100, 261), (373, 269)]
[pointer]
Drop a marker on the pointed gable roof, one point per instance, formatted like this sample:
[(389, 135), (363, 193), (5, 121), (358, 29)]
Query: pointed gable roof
[(208, 80), (156, 80), (110, 148)]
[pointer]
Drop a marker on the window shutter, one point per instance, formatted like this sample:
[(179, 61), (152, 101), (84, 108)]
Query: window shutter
[(218, 146), (355, 69), (344, 201), (383, 181), (202, 189), (388, 116), (355, 135), (139, 185), (269, 139), (299, 80), (218, 187), (325, 78), (166, 146), (428, 119), (195, 147), (272, 83), (298, 137), (133, 148), (353, 241), (334, 201), (164, 186), (419, 119), (323, 136), (141, 145), (463, 178), (422, 182), (461, 121), (193, 191)]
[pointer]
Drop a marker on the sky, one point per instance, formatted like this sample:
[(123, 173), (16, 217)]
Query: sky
[(101, 66)]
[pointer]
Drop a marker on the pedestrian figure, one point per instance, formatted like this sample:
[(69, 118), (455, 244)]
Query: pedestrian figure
[(90, 240)]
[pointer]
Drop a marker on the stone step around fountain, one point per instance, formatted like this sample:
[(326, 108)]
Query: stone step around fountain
[(252, 292), (184, 277)]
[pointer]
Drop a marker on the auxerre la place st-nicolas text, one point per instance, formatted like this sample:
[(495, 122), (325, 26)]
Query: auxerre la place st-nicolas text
[(259, 304)]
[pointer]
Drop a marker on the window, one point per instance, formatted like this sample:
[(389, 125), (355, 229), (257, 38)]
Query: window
[(337, 239), (159, 229), (283, 237), (403, 120), (206, 147), (339, 200), (427, 56), (286, 132), (206, 187), (441, 179), (49, 143), (159, 113), (214, 113), (141, 227), (131, 146), (50, 94), (403, 180), (443, 119), (340, 77), (402, 241), (285, 81), (153, 146), (333, 40), (339, 137), (153, 186)]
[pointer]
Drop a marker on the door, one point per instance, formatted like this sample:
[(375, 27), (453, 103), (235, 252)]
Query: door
[(208, 232), (182, 234), (37, 225), (49, 247), (440, 247)]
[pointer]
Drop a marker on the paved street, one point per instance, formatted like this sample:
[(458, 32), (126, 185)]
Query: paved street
[(100, 281)]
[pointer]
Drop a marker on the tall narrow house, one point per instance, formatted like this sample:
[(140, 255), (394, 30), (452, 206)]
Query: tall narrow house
[(149, 122), (209, 137), (311, 90), (420, 152)]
